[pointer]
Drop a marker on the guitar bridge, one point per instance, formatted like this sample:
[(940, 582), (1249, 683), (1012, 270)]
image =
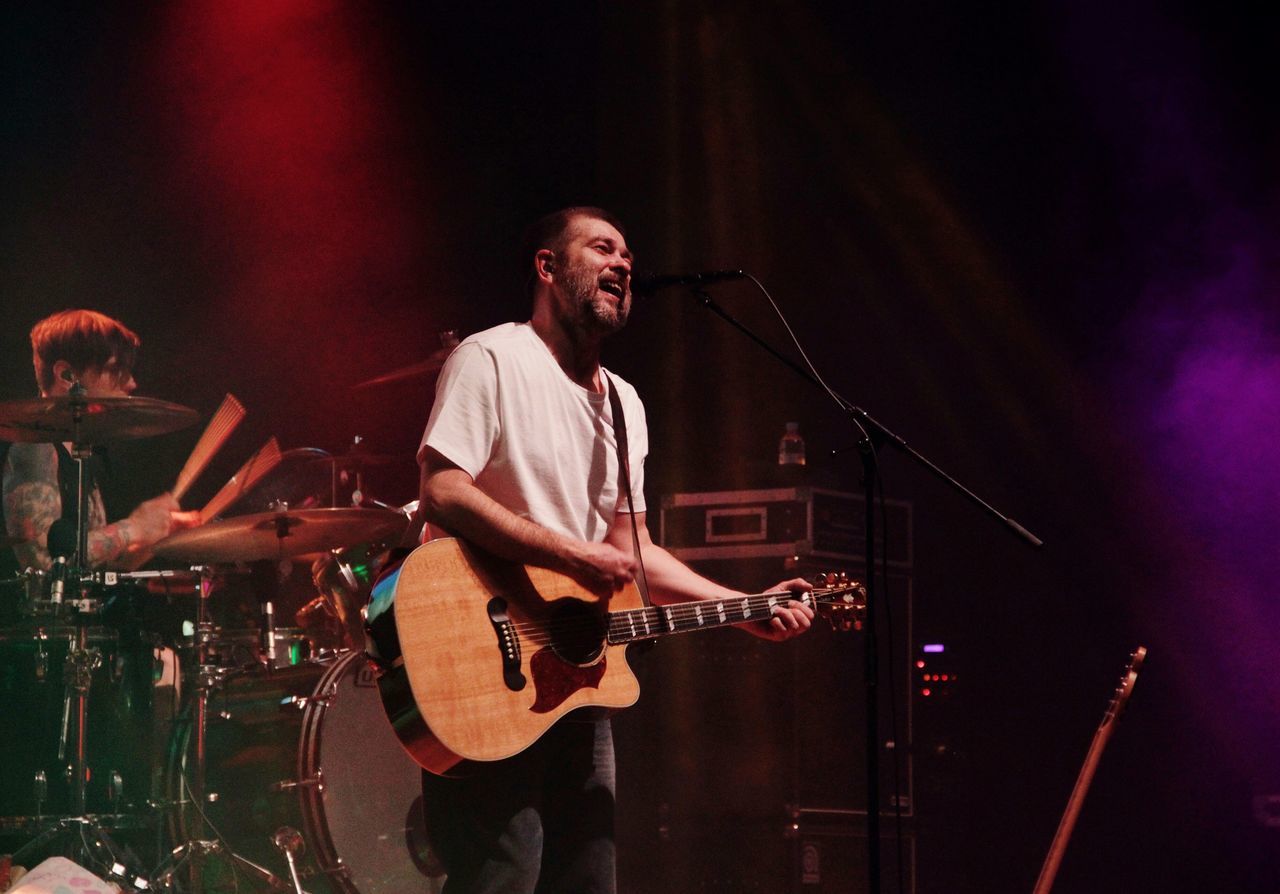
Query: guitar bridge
[(508, 643)]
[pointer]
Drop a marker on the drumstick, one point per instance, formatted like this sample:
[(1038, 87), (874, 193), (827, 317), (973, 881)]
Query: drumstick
[(258, 465), (215, 435)]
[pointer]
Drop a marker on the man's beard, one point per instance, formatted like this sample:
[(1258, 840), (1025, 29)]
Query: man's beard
[(595, 310)]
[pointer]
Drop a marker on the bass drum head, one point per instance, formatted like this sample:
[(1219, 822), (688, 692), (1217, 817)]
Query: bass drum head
[(366, 819)]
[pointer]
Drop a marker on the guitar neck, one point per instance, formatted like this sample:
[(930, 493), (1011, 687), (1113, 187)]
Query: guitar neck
[(703, 614)]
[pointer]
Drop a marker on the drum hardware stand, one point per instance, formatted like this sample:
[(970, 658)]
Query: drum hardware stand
[(82, 661), (89, 841), (289, 842), (192, 854), (95, 848)]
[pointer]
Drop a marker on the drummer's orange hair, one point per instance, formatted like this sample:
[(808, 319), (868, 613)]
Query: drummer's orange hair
[(85, 339)]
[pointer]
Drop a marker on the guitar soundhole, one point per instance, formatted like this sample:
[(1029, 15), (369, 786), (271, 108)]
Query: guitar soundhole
[(577, 631)]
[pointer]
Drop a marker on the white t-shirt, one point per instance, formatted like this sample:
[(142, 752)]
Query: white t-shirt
[(534, 440)]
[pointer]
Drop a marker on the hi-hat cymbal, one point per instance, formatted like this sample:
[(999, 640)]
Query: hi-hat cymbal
[(270, 535), (90, 420)]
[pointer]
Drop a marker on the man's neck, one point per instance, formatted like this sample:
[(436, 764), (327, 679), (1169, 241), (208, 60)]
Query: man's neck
[(577, 353)]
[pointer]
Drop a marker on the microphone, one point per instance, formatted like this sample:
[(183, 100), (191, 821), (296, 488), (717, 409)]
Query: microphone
[(648, 284), (62, 540)]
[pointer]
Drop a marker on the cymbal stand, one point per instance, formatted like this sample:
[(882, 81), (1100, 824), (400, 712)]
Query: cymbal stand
[(81, 662), (208, 678), (90, 843)]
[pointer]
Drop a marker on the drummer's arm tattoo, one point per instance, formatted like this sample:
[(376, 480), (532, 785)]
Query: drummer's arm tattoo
[(107, 543), (31, 501)]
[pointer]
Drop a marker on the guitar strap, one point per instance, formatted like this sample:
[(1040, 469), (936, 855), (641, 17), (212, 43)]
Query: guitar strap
[(624, 472)]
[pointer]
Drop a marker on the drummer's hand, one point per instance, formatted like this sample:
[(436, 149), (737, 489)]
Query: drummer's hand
[(157, 518)]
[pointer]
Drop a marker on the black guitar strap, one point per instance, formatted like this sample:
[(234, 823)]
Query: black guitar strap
[(624, 472)]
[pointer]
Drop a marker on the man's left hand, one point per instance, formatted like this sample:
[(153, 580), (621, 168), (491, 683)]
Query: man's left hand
[(789, 618)]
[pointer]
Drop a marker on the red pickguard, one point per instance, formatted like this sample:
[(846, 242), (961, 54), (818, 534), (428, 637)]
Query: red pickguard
[(555, 680)]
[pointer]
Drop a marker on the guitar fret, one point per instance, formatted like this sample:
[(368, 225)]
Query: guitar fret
[(633, 624)]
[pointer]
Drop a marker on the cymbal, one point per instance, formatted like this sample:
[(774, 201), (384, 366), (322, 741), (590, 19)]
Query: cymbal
[(358, 462), (102, 419), (423, 368), (270, 535)]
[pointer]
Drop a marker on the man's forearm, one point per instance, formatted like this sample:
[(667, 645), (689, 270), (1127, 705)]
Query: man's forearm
[(465, 510), (670, 580)]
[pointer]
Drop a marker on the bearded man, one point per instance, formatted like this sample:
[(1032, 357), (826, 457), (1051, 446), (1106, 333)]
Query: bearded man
[(520, 457)]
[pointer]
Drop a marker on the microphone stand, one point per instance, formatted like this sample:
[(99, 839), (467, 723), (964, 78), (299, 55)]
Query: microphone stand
[(874, 436)]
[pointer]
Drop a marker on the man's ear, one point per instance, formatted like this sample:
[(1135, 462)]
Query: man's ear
[(63, 377), (545, 264)]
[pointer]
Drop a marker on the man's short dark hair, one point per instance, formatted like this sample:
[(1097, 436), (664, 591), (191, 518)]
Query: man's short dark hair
[(552, 231), (85, 339)]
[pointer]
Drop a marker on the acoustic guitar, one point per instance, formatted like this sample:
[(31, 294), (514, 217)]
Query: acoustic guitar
[(478, 656)]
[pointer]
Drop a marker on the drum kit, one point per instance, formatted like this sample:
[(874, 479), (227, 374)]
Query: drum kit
[(166, 751)]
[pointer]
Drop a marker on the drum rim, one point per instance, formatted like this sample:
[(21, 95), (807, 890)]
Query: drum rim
[(310, 738)]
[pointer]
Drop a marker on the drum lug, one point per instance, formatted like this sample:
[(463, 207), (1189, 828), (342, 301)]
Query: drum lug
[(302, 701), (288, 785)]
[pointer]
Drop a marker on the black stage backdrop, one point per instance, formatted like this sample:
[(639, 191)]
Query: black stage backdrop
[(1038, 242)]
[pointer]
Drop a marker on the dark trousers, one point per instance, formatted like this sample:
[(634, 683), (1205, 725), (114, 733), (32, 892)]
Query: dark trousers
[(541, 821)]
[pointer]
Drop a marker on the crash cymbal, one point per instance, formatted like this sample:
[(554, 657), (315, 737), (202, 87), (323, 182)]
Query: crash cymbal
[(419, 370), (101, 420), (270, 535), (358, 462)]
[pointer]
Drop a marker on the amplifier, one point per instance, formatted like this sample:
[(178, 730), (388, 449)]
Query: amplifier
[(801, 522)]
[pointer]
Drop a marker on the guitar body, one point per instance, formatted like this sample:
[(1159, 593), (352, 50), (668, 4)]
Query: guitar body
[(493, 653)]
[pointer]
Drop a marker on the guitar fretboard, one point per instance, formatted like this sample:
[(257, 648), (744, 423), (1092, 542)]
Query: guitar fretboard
[(659, 620)]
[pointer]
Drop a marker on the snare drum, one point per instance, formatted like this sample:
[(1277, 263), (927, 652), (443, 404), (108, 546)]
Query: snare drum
[(309, 746), (242, 647)]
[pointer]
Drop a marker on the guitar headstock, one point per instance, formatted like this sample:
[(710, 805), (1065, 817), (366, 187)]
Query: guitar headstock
[(1127, 682), (841, 600)]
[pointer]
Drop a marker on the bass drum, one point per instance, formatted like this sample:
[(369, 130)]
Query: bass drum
[(309, 747)]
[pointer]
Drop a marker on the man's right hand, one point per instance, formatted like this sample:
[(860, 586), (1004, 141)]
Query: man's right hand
[(156, 519), (602, 567)]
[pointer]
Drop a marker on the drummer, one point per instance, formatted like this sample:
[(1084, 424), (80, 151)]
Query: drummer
[(40, 480)]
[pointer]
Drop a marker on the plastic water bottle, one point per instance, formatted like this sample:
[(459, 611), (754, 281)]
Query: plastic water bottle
[(791, 447)]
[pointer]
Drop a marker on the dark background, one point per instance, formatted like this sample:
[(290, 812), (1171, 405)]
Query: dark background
[(1037, 242)]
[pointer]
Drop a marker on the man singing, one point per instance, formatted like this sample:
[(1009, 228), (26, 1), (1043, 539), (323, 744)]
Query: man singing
[(520, 457)]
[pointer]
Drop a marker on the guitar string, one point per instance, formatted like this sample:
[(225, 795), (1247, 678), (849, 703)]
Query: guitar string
[(685, 614), (681, 612), (622, 619)]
